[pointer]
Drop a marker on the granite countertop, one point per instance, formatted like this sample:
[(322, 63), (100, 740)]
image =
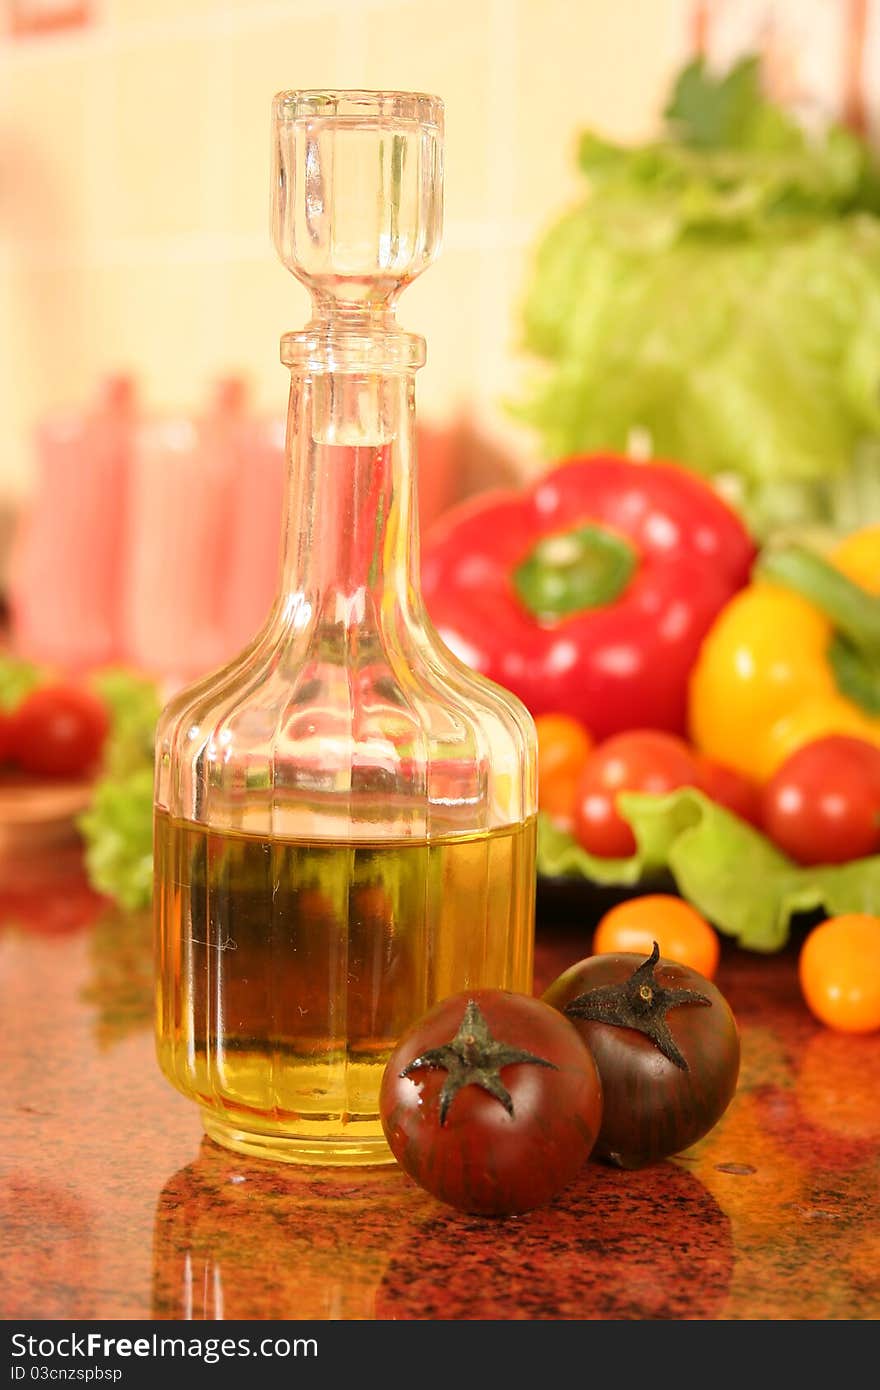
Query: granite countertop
[(116, 1207)]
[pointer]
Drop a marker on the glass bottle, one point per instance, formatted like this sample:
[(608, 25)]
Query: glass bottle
[(345, 814)]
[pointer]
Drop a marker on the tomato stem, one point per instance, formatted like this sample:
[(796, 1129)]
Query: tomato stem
[(474, 1058), (586, 567), (640, 1002)]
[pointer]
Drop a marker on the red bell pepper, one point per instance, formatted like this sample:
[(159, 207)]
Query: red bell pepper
[(590, 592)]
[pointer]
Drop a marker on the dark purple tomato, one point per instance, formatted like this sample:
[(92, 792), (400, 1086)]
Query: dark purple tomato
[(491, 1102), (665, 1087)]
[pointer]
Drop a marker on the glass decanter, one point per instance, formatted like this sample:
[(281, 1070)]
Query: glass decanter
[(345, 814)]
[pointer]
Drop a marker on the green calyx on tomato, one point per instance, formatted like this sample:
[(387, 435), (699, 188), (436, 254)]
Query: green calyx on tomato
[(640, 1002), (854, 651), (586, 567), (473, 1058)]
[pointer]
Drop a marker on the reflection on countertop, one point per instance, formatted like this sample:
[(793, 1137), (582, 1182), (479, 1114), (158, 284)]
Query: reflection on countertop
[(115, 1206), (244, 1240)]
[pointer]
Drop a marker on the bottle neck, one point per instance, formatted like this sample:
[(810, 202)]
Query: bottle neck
[(351, 540)]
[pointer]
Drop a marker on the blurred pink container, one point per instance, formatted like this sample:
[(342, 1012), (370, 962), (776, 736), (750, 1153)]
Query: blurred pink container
[(172, 566), (257, 504), (156, 541), (64, 575), (176, 553)]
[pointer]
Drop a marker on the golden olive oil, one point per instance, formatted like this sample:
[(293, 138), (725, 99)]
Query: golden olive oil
[(287, 971)]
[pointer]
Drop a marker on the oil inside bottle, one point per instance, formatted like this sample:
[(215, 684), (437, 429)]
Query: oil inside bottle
[(288, 970)]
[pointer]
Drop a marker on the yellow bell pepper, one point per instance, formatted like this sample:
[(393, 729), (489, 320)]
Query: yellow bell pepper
[(792, 658)]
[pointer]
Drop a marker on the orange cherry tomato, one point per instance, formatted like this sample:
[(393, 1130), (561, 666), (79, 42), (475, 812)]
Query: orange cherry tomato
[(679, 930), (563, 746), (839, 970)]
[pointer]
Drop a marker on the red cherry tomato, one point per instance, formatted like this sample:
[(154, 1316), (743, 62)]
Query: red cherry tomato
[(822, 806), (458, 1136), (652, 1106), (730, 789), (643, 760), (59, 731)]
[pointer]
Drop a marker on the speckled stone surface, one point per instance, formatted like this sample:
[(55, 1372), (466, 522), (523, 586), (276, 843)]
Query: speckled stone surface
[(113, 1205)]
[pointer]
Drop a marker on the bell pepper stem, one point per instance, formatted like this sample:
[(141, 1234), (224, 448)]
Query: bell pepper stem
[(852, 610), (571, 571)]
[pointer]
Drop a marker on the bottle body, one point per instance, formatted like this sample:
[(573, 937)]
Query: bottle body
[(297, 966), (345, 814)]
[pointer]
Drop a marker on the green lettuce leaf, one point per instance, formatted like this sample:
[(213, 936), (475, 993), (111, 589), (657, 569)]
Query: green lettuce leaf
[(17, 679), (719, 291), (118, 826), (134, 705), (118, 833), (730, 111), (729, 871)]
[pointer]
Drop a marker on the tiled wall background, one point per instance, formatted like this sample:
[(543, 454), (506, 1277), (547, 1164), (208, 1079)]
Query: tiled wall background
[(134, 160)]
